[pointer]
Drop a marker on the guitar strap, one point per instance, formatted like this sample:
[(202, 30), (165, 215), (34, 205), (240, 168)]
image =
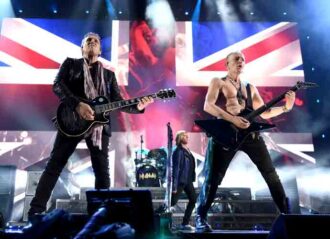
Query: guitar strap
[(249, 97)]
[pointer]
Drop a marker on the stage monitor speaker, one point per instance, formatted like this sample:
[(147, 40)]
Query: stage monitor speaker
[(129, 206), (7, 190), (294, 226)]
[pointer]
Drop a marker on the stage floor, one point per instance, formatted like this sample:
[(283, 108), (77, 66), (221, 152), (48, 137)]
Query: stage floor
[(224, 234)]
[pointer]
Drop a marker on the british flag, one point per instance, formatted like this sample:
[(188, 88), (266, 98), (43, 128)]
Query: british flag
[(272, 51), (31, 50)]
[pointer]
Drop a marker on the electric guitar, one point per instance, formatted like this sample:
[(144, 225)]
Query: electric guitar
[(70, 123), (229, 136)]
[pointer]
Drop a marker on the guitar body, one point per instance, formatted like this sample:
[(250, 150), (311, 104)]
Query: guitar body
[(228, 135), (71, 124), (231, 137)]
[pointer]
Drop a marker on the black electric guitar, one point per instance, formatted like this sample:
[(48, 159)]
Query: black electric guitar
[(71, 124), (231, 137)]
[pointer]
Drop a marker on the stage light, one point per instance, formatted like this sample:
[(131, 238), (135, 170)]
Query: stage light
[(197, 11), (313, 69), (54, 11), (24, 134), (307, 37), (284, 13), (87, 11), (318, 101), (20, 10), (323, 136), (186, 13), (120, 12), (251, 13), (160, 16), (27, 141), (111, 10)]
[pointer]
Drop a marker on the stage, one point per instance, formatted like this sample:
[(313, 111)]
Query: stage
[(172, 51), (224, 234)]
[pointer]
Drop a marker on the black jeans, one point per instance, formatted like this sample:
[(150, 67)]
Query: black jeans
[(217, 161), (191, 194), (63, 148)]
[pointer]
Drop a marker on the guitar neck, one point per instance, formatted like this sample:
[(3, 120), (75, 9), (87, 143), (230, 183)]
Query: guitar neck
[(268, 105), (123, 103)]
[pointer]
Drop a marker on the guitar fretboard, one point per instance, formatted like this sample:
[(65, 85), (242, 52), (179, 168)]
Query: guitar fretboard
[(269, 104), (120, 104)]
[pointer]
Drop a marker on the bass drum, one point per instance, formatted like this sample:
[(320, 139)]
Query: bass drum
[(147, 176)]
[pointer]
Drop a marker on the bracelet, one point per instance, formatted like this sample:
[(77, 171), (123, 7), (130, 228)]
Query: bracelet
[(285, 110)]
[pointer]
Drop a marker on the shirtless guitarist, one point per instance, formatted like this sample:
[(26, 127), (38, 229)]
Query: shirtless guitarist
[(237, 98)]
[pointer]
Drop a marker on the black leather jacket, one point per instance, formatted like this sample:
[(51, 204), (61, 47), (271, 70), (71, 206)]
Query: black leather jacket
[(181, 166), (69, 86)]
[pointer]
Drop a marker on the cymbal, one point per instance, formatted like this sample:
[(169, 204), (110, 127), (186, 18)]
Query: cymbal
[(157, 154), (141, 153)]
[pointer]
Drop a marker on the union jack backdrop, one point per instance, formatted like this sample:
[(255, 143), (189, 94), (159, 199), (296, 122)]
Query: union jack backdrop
[(272, 51), (31, 51)]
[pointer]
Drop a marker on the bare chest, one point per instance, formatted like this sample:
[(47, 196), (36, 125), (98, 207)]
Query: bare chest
[(231, 91)]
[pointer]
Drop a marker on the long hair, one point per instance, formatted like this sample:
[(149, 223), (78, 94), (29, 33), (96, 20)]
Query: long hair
[(179, 136)]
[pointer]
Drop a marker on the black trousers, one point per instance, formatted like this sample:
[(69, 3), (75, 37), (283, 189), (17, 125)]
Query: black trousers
[(191, 194), (217, 161), (63, 148)]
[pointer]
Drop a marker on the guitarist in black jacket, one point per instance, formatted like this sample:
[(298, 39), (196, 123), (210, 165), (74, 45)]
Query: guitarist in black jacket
[(238, 96), (78, 80)]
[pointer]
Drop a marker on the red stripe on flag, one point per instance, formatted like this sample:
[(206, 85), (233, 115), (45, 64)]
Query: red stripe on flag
[(26, 55), (261, 48)]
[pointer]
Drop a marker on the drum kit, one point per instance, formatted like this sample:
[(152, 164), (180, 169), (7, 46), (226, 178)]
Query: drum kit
[(150, 167)]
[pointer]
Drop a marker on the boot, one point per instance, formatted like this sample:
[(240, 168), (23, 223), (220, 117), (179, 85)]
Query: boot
[(202, 225)]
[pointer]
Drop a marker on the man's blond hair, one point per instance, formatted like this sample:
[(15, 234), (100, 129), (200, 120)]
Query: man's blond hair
[(179, 136)]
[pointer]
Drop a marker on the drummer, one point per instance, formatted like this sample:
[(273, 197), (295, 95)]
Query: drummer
[(183, 176)]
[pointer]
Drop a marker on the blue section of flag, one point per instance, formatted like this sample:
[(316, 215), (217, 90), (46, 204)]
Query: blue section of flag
[(3, 64), (210, 37), (300, 67), (74, 31)]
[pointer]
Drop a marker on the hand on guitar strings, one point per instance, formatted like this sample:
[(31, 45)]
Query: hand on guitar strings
[(144, 102), (240, 122), (290, 97), (85, 111)]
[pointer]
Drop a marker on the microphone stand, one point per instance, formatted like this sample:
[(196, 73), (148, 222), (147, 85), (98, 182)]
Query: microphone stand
[(141, 141), (136, 159)]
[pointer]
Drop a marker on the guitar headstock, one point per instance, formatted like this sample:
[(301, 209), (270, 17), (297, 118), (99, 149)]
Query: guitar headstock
[(305, 85), (166, 94)]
